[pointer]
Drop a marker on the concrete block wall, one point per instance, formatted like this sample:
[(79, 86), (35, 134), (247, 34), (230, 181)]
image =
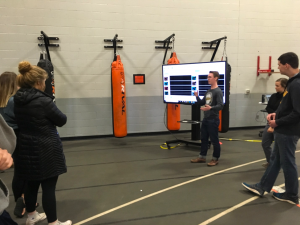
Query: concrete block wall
[(82, 65)]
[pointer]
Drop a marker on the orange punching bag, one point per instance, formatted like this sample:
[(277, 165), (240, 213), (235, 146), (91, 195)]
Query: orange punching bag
[(118, 98), (173, 110)]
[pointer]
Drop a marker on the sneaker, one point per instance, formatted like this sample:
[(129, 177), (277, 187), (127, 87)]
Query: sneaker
[(284, 198), (198, 160), (265, 165), (213, 162), (35, 218), (253, 188), (68, 222)]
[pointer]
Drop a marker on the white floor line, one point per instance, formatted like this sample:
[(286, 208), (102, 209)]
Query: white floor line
[(234, 207), (164, 190)]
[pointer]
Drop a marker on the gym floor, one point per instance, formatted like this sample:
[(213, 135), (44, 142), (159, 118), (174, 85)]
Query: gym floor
[(132, 180)]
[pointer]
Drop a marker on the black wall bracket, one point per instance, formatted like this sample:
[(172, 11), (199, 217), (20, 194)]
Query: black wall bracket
[(214, 42), (44, 37), (114, 46), (166, 46)]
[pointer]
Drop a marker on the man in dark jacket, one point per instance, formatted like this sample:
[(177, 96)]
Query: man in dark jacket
[(286, 124)]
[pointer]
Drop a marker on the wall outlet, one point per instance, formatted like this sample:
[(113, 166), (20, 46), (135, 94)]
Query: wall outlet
[(247, 91)]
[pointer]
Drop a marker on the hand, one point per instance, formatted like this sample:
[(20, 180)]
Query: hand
[(206, 108), (196, 93), (6, 160), (271, 116), (272, 123)]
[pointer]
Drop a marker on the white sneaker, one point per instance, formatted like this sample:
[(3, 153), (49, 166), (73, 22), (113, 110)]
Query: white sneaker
[(68, 222), (31, 220)]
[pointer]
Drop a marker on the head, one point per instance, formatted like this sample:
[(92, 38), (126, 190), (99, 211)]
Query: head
[(280, 85), (288, 64), (31, 76), (213, 77), (8, 87)]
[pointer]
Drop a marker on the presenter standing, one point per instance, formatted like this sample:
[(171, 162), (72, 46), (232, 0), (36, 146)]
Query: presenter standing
[(213, 103)]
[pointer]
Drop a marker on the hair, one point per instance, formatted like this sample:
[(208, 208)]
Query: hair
[(289, 58), (8, 87), (216, 74), (30, 75), (283, 82)]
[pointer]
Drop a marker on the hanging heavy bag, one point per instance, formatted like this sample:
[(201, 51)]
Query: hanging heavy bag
[(46, 65), (224, 113), (173, 110), (118, 98)]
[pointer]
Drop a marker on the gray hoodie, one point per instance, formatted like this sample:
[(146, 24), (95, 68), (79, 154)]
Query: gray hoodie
[(8, 142)]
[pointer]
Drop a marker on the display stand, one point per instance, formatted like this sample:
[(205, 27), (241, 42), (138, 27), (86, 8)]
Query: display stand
[(196, 112), (195, 124)]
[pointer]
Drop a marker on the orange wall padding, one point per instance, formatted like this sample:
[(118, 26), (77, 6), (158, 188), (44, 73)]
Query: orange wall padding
[(173, 110), (118, 98)]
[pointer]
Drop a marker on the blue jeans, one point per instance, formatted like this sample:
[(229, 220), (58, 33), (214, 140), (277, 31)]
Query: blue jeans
[(267, 140), (283, 156), (5, 219), (210, 129)]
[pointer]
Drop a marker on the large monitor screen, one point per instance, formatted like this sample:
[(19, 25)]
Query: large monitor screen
[(180, 81)]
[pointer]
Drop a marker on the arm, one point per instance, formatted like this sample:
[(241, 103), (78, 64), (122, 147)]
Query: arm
[(7, 144), (219, 105), (272, 104), (294, 116), (200, 102), (6, 160), (54, 114)]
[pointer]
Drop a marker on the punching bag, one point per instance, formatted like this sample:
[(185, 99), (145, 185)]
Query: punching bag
[(224, 113), (173, 110), (118, 98), (46, 65)]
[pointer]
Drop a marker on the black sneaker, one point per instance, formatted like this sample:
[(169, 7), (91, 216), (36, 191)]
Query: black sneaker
[(254, 188), (284, 198)]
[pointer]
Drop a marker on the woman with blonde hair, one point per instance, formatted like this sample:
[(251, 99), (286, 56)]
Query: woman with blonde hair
[(41, 159), (8, 88)]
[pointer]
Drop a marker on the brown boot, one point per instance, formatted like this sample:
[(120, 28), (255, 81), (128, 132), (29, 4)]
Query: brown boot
[(198, 160), (213, 162)]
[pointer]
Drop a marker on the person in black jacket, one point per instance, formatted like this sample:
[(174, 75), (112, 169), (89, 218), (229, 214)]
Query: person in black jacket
[(286, 124), (40, 159), (273, 103)]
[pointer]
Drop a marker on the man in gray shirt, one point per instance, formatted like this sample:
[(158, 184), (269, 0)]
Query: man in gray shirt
[(213, 103)]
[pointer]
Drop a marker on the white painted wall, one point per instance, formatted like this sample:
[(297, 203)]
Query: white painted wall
[(82, 65)]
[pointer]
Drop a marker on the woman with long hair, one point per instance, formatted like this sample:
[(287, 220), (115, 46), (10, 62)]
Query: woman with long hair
[(41, 159), (8, 88)]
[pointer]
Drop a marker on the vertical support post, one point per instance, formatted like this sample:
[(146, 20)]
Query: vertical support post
[(166, 51), (115, 46), (46, 40), (270, 62), (196, 116), (216, 49), (258, 60)]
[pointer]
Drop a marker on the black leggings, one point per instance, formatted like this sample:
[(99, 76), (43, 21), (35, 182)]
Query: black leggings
[(18, 186), (48, 196)]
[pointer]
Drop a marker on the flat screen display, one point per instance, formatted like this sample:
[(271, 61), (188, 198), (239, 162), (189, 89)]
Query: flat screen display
[(180, 81)]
